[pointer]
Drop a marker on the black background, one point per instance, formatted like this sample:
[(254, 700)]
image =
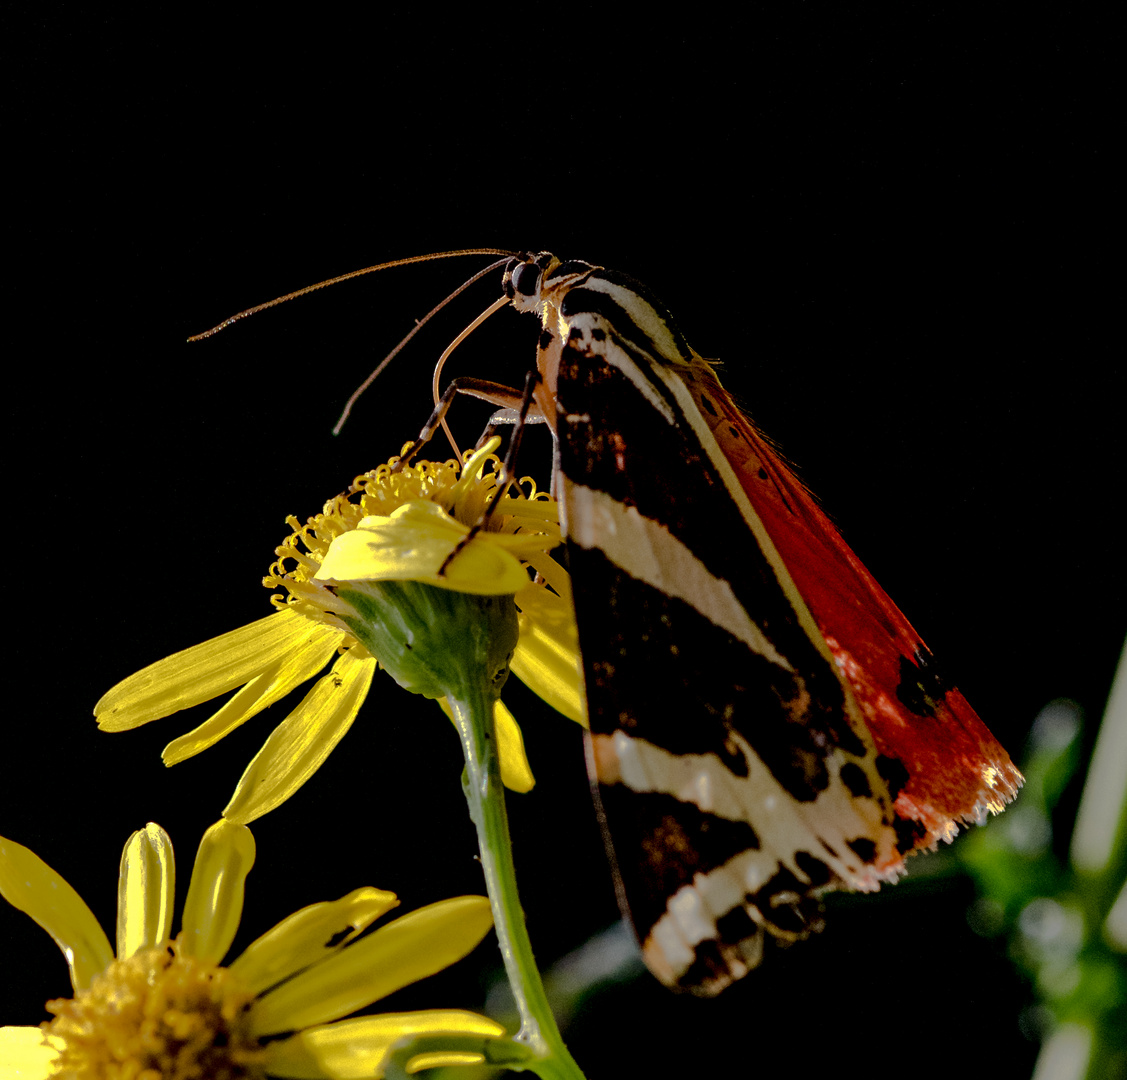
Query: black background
[(895, 230)]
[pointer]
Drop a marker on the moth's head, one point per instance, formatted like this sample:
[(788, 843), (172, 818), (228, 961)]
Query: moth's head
[(523, 277)]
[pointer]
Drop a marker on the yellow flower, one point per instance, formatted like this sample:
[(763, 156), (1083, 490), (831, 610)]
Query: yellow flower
[(167, 1010), (389, 526)]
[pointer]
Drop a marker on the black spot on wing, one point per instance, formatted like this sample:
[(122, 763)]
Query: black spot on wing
[(864, 848), (922, 687), (854, 778), (736, 925), (894, 773), (817, 870), (546, 338), (909, 834)]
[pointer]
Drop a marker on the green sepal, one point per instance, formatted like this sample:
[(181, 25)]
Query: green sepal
[(433, 641)]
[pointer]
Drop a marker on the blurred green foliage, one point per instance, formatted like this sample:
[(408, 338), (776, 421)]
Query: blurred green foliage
[(1054, 889)]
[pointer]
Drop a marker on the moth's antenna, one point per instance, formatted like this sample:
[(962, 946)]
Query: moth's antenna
[(500, 302), (354, 274), (420, 324)]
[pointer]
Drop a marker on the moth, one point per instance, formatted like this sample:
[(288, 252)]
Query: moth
[(765, 723)]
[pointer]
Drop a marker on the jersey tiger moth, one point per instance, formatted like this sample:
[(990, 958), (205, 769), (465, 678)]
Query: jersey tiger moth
[(765, 723)]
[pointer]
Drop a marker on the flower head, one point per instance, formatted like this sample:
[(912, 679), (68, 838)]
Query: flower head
[(166, 1009), (390, 526)]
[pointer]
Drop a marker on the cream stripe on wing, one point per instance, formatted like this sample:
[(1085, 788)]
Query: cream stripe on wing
[(647, 551), (692, 913), (823, 827)]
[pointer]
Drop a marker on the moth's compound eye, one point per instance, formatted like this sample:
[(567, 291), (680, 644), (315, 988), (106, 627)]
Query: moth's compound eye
[(526, 279)]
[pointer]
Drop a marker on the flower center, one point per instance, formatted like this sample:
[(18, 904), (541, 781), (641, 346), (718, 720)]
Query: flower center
[(159, 1015), (461, 489)]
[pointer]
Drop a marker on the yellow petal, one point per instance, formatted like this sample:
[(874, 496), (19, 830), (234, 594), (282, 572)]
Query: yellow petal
[(547, 654), (354, 1049), (29, 884), (202, 672), (282, 676), (421, 518), (558, 578), (308, 936), (412, 544), (26, 1054), (404, 951), (146, 888), (516, 773), (300, 743), (215, 894)]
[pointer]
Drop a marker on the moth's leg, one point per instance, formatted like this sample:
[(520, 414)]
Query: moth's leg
[(508, 466), (508, 397), (504, 418)]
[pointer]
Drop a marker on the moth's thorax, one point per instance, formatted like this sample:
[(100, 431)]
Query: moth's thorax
[(553, 334), (539, 284)]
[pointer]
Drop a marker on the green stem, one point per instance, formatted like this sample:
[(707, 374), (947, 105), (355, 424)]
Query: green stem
[(442, 643), (473, 715)]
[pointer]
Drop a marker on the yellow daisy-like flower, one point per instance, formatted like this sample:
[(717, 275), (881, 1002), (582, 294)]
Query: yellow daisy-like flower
[(388, 527), (166, 1010)]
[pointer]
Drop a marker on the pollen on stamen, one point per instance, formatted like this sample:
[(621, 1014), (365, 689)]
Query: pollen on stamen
[(377, 492), (158, 1015), (461, 490)]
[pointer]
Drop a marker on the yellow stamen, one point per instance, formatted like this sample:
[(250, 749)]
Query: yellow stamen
[(462, 491)]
